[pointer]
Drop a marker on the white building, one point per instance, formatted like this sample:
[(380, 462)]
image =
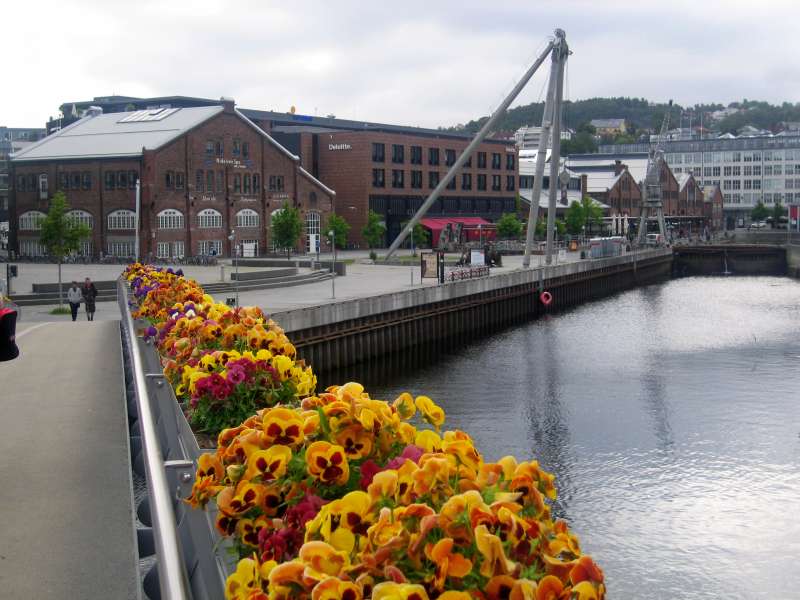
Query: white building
[(527, 138)]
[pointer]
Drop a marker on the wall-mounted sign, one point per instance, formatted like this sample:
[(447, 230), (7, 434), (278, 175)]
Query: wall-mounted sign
[(208, 198), (280, 196), (248, 199), (231, 162), (339, 147)]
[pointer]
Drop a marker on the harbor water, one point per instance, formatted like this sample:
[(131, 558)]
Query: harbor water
[(670, 416)]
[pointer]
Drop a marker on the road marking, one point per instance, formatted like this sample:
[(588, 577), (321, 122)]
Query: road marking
[(29, 329)]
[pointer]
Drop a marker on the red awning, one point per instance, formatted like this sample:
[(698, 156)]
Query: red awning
[(470, 230)]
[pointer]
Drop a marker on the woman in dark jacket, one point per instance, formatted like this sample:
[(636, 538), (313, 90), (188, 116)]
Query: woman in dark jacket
[(89, 295)]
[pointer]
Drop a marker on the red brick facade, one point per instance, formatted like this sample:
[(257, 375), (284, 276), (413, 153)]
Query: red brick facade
[(344, 160), (225, 164)]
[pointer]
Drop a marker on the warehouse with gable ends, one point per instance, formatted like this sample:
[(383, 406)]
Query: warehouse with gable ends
[(203, 172)]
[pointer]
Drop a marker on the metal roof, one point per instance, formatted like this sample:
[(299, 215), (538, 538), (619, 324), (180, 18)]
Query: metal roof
[(114, 135)]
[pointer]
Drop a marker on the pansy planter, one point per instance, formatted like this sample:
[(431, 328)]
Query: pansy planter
[(334, 494)]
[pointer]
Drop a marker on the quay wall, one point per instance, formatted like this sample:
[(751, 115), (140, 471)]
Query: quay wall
[(340, 334)]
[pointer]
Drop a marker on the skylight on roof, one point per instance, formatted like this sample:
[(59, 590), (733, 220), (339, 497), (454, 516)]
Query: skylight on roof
[(150, 114)]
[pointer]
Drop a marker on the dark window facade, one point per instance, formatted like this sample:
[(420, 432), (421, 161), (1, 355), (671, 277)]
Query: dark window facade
[(397, 178), (180, 180), (466, 181), (495, 182), (210, 147), (398, 154), (481, 182), (199, 179), (237, 147), (169, 180), (75, 181), (416, 155), (246, 149), (257, 183), (449, 157), (378, 178), (416, 180), (378, 152), (496, 159), (433, 179), (481, 160), (509, 182), (86, 180), (210, 181), (451, 185), (433, 156), (510, 160), (246, 183), (110, 180), (220, 181)]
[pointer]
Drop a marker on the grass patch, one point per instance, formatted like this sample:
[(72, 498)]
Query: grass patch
[(61, 310)]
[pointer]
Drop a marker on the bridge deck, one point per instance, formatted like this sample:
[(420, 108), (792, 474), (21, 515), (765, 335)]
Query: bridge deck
[(65, 506)]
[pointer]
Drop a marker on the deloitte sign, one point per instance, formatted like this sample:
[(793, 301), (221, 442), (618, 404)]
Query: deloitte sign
[(339, 147)]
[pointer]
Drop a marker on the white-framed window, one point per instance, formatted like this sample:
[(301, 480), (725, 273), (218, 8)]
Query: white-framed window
[(313, 221), (86, 248), (169, 218), (248, 248), (121, 249), (177, 249), (31, 221), (28, 247), (121, 219), (43, 187), (247, 217), (210, 247), (162, 249), (81, 216), (209, 219)]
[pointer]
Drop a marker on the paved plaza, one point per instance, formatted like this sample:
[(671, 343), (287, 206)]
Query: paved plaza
[(362, 280)]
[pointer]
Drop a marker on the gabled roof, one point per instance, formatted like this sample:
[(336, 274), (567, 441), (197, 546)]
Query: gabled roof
[(117, 135), (683, 179)]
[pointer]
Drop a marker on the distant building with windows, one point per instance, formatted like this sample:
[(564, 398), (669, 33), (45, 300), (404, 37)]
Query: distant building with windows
[(203, 172), (12, 139), (748, 170), (609, 126), (527, 137)]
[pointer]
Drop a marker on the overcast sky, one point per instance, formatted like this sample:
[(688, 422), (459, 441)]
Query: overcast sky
[(409, 62)]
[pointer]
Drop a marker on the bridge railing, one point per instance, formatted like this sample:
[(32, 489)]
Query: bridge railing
[(190, 558)]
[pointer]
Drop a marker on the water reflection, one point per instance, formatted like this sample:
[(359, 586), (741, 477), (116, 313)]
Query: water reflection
[(669, 416)]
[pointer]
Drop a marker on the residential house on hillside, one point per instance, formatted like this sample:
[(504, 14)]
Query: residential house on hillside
[(609, 126)]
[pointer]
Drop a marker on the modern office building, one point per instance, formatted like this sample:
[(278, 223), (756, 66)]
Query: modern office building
[(748, 169), (204, 173)]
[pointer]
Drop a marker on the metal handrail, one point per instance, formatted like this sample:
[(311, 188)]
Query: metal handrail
[(172, 579)]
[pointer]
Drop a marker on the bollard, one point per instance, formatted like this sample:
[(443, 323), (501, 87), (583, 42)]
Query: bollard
[(222, 273)]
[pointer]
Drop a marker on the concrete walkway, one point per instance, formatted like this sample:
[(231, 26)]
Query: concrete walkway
[(65, 502)]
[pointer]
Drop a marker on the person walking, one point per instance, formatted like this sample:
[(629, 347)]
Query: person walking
[(89, 296), (74, 297)]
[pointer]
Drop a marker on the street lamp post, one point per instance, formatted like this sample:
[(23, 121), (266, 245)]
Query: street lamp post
[(331, 235), (235, 249), (138, 209), (413, 253)]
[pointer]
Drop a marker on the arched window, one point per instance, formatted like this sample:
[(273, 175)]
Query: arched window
[(247, 217), (81, 216), (169, 218), (312, 222), (31, 220), (121, 219), (209, 219)]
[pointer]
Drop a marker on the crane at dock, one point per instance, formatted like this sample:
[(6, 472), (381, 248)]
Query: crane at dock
[(652, 192)]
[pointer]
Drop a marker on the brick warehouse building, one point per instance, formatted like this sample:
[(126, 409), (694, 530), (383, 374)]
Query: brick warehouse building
[(339, 152), (204, 171)]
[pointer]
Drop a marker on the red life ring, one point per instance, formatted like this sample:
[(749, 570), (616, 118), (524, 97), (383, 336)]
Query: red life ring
[(546, 298)]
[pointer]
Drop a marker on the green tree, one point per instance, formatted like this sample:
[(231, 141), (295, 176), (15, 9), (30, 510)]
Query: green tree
[(778, 211), (374, 231), (286, 226), (759, 212), (61, 234), (583, 214), (340, 229), (509, 226), (421, 236)]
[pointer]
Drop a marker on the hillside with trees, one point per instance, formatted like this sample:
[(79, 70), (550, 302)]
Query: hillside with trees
[(644, 116)]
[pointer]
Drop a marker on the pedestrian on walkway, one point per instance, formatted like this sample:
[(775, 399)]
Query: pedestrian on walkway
[(74, 297), (89, 296)]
